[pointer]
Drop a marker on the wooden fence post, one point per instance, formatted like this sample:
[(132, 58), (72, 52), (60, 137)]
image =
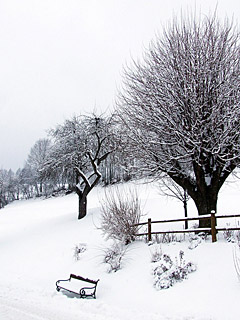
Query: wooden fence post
[(213, 226), (149, 230)]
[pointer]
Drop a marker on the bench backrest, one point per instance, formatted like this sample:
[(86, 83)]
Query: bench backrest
[(83, 279)]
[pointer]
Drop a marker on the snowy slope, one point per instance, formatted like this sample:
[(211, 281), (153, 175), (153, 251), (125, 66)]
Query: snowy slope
[(37, 240)]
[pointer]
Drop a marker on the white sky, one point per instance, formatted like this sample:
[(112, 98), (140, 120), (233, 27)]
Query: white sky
[(65, 57)]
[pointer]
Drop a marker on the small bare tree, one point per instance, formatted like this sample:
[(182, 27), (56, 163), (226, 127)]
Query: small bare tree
[(171, 189), (80, 145)]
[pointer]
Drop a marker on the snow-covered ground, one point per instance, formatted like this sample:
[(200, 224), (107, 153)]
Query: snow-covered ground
[(37, 240)]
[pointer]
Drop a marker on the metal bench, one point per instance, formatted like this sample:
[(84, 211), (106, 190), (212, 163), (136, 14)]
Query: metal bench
[(77, 285)]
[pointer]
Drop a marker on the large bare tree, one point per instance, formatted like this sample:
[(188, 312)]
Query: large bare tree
[(180, 107)]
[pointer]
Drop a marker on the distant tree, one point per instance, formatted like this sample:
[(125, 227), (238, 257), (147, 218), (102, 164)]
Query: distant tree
[(80, 145), (27, 182), (18, 184), (3, 188), (9, 187), (36, 159), (180, 107), (117, 167)]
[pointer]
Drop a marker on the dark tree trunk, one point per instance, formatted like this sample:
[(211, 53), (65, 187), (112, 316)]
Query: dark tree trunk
[(82, 202), (206, 203), (37, 190), (41, 189), (82, 207), (203, 191)]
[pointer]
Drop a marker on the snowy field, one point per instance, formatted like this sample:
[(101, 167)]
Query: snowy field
[(37, 240)]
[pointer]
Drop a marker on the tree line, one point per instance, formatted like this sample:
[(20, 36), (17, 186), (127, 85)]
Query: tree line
[(177, 119)]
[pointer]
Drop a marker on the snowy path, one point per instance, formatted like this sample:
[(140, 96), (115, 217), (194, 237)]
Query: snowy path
[(12, 309), (9, 312), (22, 311)]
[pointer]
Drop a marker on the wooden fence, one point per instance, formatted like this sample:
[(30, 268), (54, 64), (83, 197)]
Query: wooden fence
[(213, 230)]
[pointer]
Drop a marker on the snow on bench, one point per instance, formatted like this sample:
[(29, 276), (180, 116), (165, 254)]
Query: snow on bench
[(78, 285)]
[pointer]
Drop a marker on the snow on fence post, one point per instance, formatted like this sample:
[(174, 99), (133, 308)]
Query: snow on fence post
[(213, 226), (149, 230)]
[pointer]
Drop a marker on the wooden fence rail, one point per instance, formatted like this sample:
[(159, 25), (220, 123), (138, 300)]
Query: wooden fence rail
[(213, 230)]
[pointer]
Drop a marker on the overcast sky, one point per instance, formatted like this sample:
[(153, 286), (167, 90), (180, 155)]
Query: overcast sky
[(64, 57)]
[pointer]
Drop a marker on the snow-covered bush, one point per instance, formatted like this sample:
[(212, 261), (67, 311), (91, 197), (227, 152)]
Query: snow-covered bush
[(156, 254), (194, 241), (78, 250), (113, 256), (121, 211), (166, 272), (237, 237), (229, 234)]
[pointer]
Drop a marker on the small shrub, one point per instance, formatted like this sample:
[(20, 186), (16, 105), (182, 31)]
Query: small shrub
[(166, 273), (156, 254), (113, 256), (229, 234), (121, 211), (237, 237), (195, 240), (167, 238), (78, 250)]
